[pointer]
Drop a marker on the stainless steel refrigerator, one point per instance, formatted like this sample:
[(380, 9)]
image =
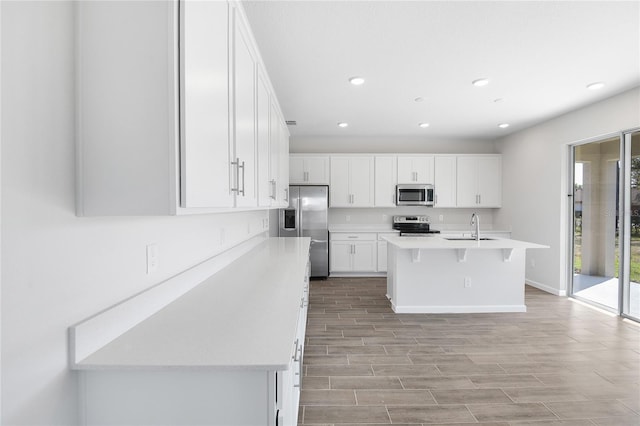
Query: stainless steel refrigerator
[(307, 216)]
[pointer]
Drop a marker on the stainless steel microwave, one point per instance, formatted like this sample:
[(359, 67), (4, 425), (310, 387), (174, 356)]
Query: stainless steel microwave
[(414, 195)]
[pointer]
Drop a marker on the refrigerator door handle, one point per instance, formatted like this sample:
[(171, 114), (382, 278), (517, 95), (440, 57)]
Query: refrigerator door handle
[(318, 241)]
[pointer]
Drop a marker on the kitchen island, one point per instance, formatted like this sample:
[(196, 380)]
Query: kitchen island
[(453, 275)]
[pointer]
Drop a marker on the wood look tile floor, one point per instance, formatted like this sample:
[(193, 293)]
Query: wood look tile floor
[(560, 363)]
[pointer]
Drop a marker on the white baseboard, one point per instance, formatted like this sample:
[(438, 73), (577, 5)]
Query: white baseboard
[(546, 288), (457, 309), (357, 274)]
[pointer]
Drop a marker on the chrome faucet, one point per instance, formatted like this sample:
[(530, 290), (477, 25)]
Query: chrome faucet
[(475, 220)]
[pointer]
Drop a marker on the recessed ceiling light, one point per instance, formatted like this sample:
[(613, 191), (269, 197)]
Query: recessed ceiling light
[(503, 125), (356, 81), (498, 100), (343, 124), (480, 82), (423, 125), (595, 86), (419, 99)]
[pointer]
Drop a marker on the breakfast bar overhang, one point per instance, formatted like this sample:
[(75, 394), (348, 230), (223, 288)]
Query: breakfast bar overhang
[(440, 275)]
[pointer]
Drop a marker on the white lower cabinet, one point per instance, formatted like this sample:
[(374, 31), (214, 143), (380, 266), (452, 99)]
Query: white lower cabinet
[(353, 252)]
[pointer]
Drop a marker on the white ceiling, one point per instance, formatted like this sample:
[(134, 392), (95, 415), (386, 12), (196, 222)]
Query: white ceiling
[(538, 56)]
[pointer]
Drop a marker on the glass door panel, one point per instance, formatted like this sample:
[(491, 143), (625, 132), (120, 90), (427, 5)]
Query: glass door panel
[(596, 243), (631, 287)]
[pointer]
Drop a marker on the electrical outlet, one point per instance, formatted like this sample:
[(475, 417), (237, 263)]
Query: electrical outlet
[(384, 217), (152, 258), (532, 262), (348, 218), (441, 218), (467, 282)]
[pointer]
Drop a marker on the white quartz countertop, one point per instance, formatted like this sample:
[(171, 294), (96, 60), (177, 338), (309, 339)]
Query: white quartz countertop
[(438, 242), (243, 317)]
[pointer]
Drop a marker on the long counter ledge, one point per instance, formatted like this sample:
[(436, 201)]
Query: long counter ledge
[(243, 317)]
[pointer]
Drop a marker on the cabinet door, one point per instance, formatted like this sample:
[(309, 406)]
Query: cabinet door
[(297, 172), (274, 148), (361, 181), (467, 182), (244, 107), (283, 168), (445, 181), (365, 256), (339, 193), (382, 256), (386, 176), (317, 170), (341, 256), (206, 172), (265, 187), (415, 169), (406, 172), (490, 181)]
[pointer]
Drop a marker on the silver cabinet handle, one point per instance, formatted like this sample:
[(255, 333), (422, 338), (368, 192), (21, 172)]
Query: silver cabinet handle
[(435, 199), (273, 189), (299, 373), (305, 176), (295, 352), (479, 198), (237, 164), (241, 166), (286, 194)]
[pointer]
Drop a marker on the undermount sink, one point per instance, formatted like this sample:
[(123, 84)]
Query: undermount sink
[(467, 239)]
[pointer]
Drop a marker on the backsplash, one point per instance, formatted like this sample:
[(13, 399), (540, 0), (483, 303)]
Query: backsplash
[(441, 219)]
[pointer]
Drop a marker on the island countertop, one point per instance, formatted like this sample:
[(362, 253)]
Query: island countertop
[(439, 243)]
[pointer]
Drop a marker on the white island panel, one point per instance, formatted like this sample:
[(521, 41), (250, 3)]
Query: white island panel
[(436, 275)]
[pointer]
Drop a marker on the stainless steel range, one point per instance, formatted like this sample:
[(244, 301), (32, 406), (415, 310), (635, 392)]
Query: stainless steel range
[(413, 226)]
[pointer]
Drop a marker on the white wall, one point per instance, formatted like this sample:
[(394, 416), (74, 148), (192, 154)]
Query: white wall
[(58, 269), (389, 144), (534, 173)]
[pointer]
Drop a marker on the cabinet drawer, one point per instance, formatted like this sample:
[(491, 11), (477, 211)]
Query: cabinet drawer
[(343, 236)]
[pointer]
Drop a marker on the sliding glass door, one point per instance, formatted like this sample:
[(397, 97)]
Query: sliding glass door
[(606, 223), (630, 299), (596, 221)]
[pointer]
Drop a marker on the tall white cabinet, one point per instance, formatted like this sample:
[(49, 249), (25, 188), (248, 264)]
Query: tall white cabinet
[(169, 117), (445, 181), (386, 177)]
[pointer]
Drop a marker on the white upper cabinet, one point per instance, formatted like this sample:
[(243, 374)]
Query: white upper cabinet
[(415, 169), (266, 185), (204, 120), (445, 181), (165, 112), (244, 102), (479, 181), (309, 170), (279, 137), (386, 175), (351, 182)]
